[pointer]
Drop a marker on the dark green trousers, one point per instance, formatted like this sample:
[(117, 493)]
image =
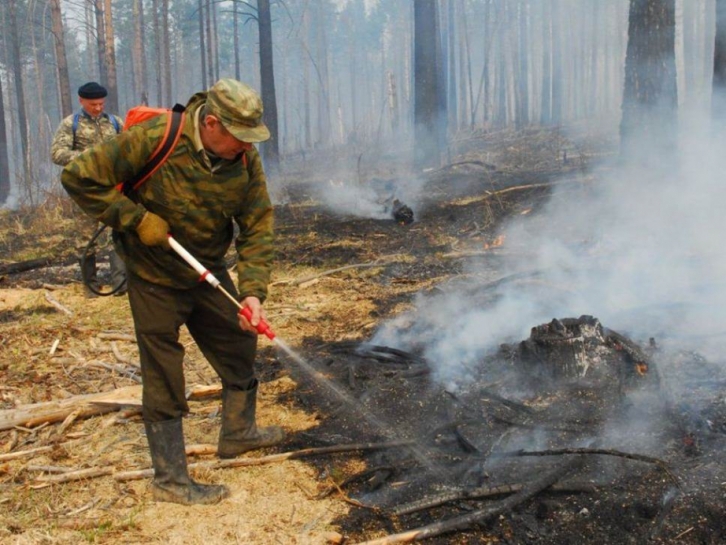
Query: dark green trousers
[(211, 319)]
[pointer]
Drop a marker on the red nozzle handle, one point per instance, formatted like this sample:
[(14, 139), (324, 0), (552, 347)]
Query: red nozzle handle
[(263, 328)]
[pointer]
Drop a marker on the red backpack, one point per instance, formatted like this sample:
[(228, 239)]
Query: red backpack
[(174, 127)]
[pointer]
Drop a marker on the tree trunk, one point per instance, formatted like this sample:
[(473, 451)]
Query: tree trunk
[(557, 61), (214, 37), (100, 41), (210, 43), (235, 27), (547, 40), (157, 51), (110, 56), (453, 103), (166, 53), (61, 60), (4, 156), (321, 56), (90, 56), (307, 117), (718, 101), (650, 98), (522, 71), (202, 44), (429, 116), (141, 81), (17, 70), (267, 77)]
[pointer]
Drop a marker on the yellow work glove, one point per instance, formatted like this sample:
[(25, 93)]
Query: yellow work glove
[(153, 230)]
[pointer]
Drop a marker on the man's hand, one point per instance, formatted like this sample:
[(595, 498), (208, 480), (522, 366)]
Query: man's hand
[(153, 230), (253, 303)]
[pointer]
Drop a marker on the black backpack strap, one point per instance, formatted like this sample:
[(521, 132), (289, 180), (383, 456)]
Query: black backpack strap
[(174, 128)]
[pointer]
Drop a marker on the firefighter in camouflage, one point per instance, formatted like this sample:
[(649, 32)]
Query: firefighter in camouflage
[(213, 179), (76, 133)]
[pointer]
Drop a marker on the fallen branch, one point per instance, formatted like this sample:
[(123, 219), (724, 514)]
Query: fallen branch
[(523, 187), (477, 517), (129, 371), (373, 472), (120, 357), (22, 266), (56, 304), (377, 263), (87, 405), (599, 451), (23, 453), (273, 458), (80, 474), (117, 337), (481, 493)]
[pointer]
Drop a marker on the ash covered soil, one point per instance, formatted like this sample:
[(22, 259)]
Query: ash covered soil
[(628, 460)]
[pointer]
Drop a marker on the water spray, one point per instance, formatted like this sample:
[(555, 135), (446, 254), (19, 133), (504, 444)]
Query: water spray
[(263, 328)]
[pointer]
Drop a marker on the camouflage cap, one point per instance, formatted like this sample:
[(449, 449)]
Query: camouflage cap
[(239, 108)]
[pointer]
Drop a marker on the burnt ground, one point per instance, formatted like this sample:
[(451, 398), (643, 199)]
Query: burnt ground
[(649, 468)]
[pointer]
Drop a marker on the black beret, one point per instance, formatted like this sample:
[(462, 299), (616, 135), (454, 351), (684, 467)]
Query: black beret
[(92, 90)]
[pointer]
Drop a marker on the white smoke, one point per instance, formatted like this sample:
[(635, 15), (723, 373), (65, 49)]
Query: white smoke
[(370, 198), (638, 248)]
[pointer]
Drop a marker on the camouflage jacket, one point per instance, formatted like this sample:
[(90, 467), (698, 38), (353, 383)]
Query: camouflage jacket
[(199, 201), (89, 132)]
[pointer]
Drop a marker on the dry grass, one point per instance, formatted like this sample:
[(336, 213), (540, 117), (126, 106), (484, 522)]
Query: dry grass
[(269, 504)]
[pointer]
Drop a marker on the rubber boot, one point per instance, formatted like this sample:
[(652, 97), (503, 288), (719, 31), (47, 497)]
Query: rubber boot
[(171, 479), (239, 432)]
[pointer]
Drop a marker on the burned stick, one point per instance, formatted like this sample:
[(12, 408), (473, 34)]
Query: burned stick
[(396, 352), (482, 493), (508, 403), (477, 517), (351, 501), (533, 426), (354, 478), (598, 451)]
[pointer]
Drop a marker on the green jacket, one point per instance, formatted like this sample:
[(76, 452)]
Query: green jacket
[(90, 131), (199, 201)]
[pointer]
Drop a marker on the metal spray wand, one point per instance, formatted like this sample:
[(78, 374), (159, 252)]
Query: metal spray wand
[(263, 328)]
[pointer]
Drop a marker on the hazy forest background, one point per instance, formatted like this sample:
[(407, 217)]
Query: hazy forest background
[(351, 75)]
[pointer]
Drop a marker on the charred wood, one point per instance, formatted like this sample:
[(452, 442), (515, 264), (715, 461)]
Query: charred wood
[(483, 493), (376, 477), (479, 516)]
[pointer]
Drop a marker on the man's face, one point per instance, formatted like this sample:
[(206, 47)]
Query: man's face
[(217, 139), (93, 106)]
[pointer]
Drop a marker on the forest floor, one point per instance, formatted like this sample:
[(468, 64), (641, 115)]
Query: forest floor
[(338, 278)]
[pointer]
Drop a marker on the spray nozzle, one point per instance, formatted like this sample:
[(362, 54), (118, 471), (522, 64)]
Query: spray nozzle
[(263, 328)]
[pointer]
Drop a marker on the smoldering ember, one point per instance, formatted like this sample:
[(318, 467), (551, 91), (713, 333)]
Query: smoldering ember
[(483, 238)]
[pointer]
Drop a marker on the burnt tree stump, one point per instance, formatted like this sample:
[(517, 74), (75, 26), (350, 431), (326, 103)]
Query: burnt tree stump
[(581, 349)]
